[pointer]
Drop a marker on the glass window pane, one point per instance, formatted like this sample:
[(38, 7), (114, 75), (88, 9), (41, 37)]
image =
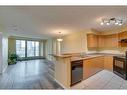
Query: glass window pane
[(30, 49), (36, 48), (20, 48)]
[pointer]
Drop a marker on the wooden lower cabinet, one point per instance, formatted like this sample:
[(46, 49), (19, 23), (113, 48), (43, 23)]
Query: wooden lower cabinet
[(108, 63), (87, 69), (92, 66)]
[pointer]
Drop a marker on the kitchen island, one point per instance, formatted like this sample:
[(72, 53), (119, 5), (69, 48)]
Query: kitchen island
[(92, 63), (63, 69)]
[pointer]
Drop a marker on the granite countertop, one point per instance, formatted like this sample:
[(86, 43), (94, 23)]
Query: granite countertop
[(61, 55), (85, 57), (88, 56)]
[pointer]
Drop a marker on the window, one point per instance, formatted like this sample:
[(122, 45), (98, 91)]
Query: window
[(36, 48), (27, 48), (20, 48), (32, 48)]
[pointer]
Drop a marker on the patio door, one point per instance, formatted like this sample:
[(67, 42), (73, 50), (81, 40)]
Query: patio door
[(32, 48), (26, 48)]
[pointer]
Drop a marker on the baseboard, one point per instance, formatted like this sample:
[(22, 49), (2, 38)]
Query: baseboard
[(4, 69), (60, 83)]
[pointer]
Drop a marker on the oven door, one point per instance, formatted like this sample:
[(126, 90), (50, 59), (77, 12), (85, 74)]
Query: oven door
[(119, 67)]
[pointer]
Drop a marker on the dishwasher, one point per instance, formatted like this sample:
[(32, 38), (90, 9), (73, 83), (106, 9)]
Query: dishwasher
[(76, 71)]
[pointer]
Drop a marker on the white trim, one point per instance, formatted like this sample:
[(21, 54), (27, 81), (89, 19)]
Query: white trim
[(60, 84), (4, 69), (1, 57)]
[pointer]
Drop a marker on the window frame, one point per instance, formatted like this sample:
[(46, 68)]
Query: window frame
[(26, 45), (20, 47)]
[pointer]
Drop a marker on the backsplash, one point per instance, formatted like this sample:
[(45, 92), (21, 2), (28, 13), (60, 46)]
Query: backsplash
[(111, 51), (123, 49), (89, 52), (114, 50)]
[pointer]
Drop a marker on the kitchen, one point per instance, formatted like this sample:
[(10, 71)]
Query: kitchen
[(105, 52), (88, 48), (71, 47)]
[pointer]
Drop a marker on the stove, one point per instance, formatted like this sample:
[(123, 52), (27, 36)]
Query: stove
[(120, 66)]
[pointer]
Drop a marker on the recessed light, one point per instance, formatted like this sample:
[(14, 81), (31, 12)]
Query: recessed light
[(107, 23), (116, 23), (120, 24), (102, 23)]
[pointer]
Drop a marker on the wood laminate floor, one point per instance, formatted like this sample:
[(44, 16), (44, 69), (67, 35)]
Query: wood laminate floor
[(31, 74)]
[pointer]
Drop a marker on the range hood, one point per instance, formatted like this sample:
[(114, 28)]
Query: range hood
[(123, 40)]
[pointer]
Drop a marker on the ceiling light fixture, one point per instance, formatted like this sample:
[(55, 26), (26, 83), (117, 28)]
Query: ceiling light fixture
[(120, 23), (59, 39), (108, 23), (111, 21), (102, 23)]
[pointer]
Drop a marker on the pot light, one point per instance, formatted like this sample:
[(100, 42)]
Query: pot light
[(102, 23), (116, 23), (108, 23), (120, 24)]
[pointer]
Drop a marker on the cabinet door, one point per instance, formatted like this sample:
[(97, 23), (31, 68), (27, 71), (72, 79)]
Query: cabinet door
[(92, 40), (99, 63), (92, 66), (101, 41), (108, 63), (111, 40), (88, 68), (123, 35)]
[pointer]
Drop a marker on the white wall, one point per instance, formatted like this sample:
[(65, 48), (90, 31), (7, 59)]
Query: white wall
[(75, 43), (41, 48), (72, 43), (1, 59), (3, 52), (49, 49)]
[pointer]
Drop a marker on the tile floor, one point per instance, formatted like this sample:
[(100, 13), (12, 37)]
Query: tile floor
[(102, 80)]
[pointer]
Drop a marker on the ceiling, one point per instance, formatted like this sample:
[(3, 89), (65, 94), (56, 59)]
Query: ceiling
[(47, 21)]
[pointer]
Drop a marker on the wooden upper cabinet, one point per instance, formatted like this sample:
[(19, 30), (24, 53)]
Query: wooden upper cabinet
[(111, 40), (101, 41), (92, 40), (122, 35)]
